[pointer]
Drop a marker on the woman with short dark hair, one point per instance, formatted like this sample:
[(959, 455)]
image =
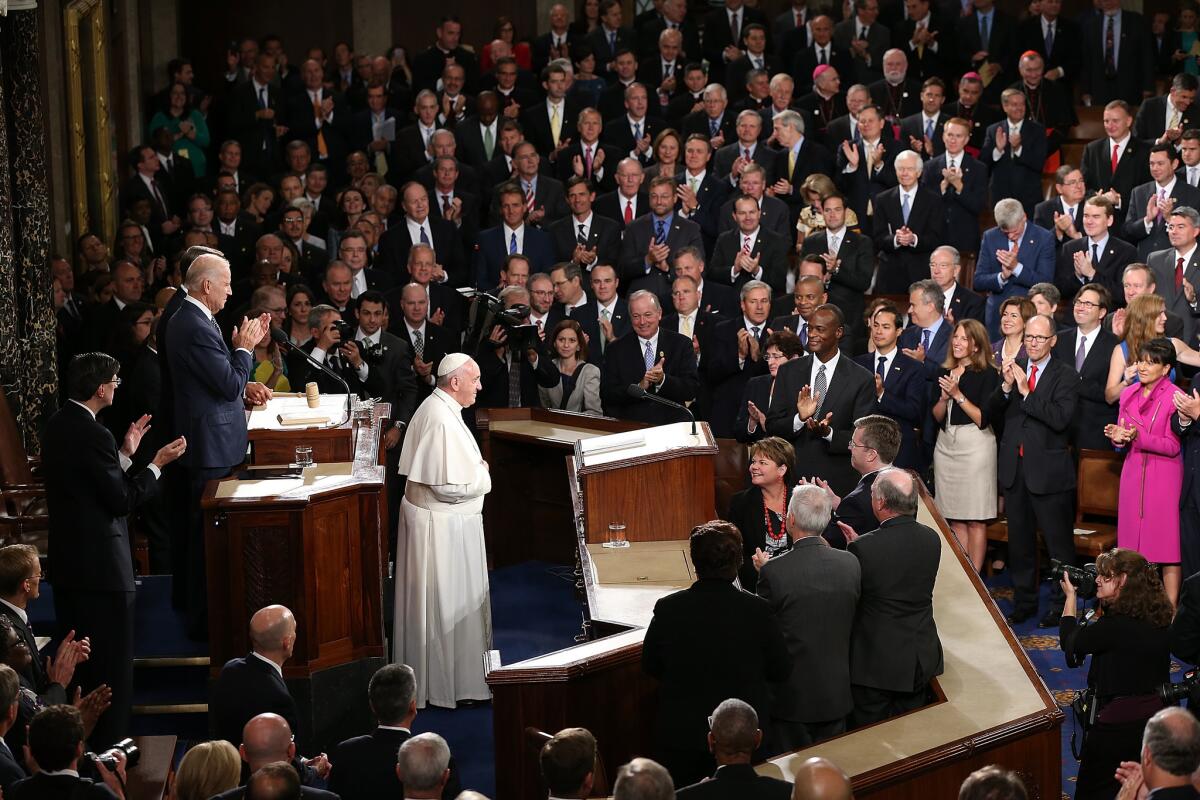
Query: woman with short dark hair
[(760, 512)]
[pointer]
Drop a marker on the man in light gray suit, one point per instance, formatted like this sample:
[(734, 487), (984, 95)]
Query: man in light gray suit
[(1183, 257), (813, 590)]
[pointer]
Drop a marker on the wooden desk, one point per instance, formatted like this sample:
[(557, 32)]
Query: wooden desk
[(148, 780), (271, 443), (528, 514), (996, 707), (317, 546)]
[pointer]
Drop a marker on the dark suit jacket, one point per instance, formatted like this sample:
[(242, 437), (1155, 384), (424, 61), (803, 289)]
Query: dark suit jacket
[(535, 120), (1132, 170), (895, 644), (10, 770), (770, 248), (410, 149), (245, 688), (737, 639), (1135, 62), (302, 126), (491, 250), (1134, 229), (625, 364), (926, 63), (638, 235), (981, 116), (851, 395), (711, 196), (813, 591), (1016, 176), (395, 244), (1087, 428), (699, 122), (1162, 264), (764, 156), (735, 74), (548, 195), (1041, 423), (36, 673), (59, 787), (1151, 120), (757, 391), (564, 165), (737, 782), (847, 285), (89, 498), (999, 47), (718, 36), (966, 304), (1116, 256), (861, 188), (1043, 216), (306, 793), (935, 354), (603, 236), (725, 378), (391, 378), (361, 135), (961, 209), (1067, 49), (604, 50), (611, 206), (618, 133), (260, 148), (813, 157), (470, 142), (897, 102), (913, 126), (804, 61), (438, 341), (905, 398), (774, 216), (901, 266), (878, 39), (468, 181), (367, 767)]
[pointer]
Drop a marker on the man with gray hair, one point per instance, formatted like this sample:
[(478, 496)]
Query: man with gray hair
[(798, 157), (643, 779), (733, 738), (895, 650), (909, 222), (423, 766), (713, 120), (1170, 754), (1013, 256), (813, 590), (443, 620), (821, 779)]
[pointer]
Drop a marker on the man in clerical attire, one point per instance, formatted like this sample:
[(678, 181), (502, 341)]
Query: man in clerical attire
[(443, 617)]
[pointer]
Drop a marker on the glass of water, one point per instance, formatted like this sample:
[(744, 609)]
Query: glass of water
[(304, 457), (616, 535)]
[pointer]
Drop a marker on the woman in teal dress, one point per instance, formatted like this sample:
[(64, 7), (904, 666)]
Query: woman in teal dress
[(188, 127)]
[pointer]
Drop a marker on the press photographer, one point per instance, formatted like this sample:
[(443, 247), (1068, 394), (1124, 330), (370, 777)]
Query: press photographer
[(333, 345), (56, 758), (1127, 637), (508, 356)]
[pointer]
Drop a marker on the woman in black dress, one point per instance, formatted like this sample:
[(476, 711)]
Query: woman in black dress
[(760, 512), (1128, 640)]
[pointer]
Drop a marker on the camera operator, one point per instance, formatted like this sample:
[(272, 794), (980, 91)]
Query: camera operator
[(509, 380), (1127, 639), (332, 345), (55, 750)]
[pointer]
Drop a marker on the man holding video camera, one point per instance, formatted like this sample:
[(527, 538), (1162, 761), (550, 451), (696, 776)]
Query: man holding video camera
[(508, 356)]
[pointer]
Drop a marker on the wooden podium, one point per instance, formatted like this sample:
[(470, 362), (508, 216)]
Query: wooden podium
[(314, 544), (272, 443)]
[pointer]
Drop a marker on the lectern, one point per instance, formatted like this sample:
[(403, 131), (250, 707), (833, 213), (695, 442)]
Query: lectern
[(315, 544)]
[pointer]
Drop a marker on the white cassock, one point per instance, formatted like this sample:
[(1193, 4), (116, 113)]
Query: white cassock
[(443, 626)]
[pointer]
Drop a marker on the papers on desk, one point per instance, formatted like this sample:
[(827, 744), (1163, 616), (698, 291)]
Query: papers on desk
[(316, 478), (302, 419), (385, 130), (291, 412), (612, 443)]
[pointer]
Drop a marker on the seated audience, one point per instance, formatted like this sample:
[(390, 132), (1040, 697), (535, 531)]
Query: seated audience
[(253, 684), (56, 747), (268, 739), (992, 783), (820, 779), (568, 763), (760, 511), (12, 767), (733, 737), (643, 779), (209, 768), (423, 766)]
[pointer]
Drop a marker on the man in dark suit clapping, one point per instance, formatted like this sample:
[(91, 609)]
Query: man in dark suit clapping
[(1089, 347), (909, 223), (895, 651), (655, 359), (89, 495), (749, 253), (817, 399), (1037, 400), (813, 590)]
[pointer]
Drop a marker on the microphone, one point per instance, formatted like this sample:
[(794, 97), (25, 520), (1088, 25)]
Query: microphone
[(281, 338), (638, 393)]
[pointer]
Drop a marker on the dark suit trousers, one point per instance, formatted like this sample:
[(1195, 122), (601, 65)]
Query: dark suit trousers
[(1189, 536), (196, 574), (174, 491), (107, 619), (1053, 515), (873, 705), (788, 735)]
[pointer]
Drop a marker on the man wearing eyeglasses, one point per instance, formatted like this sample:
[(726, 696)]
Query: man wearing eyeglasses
[(1038, 399), (89, 494), (1088, 346)]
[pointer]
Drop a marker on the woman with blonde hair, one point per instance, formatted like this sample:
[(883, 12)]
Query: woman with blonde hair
[(814, 190), (964, 457), (1145, 319), (208, 769)]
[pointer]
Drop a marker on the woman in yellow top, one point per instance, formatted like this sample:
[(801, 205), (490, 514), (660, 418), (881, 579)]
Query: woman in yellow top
[(269, 367)]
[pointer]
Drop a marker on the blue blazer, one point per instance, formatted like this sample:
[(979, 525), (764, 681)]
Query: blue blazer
[(910, 337), (904, 399), (491, 251), (209, 384), (1036, 258)]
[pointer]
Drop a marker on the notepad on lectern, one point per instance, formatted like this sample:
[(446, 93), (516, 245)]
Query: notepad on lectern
[(612, 442), (302, 418)]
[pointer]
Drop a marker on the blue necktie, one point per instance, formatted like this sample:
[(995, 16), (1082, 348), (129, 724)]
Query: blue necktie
[(983, 31), (925, 339), (660, 232), (262, 97), (637, 131), (904, 207), (713, 127), (929, 129), (649, 357), (1049, 40), (804, 334), (879, 368), (512, 245), (425, 238), (612, 41)]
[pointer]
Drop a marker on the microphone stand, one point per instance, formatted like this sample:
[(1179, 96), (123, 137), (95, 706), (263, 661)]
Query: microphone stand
[(282, 339)]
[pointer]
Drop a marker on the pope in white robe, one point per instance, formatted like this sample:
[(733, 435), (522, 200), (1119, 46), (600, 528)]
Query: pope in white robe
[(443, 624)]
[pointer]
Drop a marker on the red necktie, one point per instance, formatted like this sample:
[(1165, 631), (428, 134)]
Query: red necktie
[(1178, 274), (628, 211), (1032, 386), (1115, 159), (587, 160)]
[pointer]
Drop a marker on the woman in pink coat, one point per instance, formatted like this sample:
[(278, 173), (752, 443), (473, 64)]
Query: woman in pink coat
[(1152, 477)]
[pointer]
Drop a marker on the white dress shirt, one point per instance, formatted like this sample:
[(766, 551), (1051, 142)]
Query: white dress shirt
[(752, 236), (830, 368)]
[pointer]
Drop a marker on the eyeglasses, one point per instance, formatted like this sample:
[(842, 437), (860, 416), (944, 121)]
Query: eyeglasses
[(850, 445), (1073, 182), (775, 357), (1034, 338), (1086, 303), (115, 381)]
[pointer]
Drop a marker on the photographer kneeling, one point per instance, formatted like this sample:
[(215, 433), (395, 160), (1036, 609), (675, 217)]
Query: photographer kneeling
[(1127, 638)]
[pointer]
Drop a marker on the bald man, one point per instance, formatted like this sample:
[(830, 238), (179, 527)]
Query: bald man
[(269, 749), (821, 779), (254, 684)]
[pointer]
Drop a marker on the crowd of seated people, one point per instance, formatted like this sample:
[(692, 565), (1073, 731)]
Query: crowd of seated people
[(796, 226)]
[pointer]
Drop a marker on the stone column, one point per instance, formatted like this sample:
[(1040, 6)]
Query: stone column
[(372, 26), (27, 318)]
